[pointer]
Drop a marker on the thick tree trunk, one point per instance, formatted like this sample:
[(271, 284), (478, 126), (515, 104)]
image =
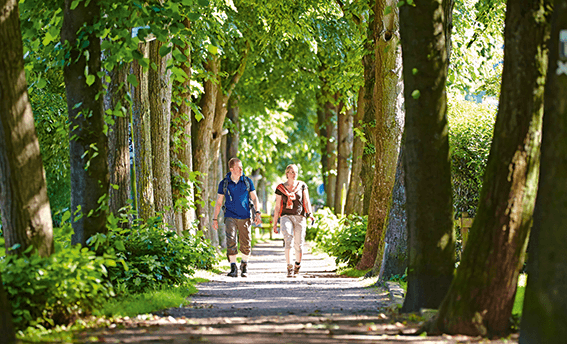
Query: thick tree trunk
[(159, 87), (388, 130), (118, 142), (6, 322), (344, 149), (481, 297), (141, 127), (356, 190), (202, 138), (181, 120), (395, 258), (87, 144), (24, 205), (427, 165), (545, 304)]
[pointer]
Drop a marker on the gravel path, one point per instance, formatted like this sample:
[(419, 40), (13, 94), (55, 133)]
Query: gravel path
[(268, 307)]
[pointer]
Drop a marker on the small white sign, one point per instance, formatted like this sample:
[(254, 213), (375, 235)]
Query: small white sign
[(561, 68)]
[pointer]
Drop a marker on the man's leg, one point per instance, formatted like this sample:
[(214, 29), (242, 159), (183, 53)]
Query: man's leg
[(231, 227), (245, 243)]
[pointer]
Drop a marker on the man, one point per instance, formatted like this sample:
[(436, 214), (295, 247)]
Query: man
[(238, 191)]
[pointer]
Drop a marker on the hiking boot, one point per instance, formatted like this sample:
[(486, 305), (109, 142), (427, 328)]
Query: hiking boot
[(244, 269), (233, 270), (296, 269), (289, 270)]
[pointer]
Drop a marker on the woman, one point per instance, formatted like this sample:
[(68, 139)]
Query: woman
[(294, 206)]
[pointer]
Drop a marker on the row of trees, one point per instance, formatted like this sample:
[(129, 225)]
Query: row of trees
[(182, 71)]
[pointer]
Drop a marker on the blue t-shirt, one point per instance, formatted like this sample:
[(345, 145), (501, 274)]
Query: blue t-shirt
[(237, 200)]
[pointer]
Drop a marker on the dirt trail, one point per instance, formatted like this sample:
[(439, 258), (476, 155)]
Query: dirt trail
[(268, 307)]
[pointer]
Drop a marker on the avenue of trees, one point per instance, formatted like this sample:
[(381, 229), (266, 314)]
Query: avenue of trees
[(109, 106)]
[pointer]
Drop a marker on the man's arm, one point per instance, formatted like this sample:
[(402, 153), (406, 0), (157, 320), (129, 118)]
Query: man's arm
[(254, 198), (218, 204)]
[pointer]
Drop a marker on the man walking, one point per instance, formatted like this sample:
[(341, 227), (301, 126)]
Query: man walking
[(237, 191)]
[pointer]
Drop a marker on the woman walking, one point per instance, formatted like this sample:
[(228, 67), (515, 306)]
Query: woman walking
[(293, 206)]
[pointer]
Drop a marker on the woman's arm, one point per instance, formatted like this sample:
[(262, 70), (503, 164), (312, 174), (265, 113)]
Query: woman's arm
[(277, 212), (308, 207)]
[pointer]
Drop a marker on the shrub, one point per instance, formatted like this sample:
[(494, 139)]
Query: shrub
[(55, 290), (155, 255), (341, 238), (470, 137)]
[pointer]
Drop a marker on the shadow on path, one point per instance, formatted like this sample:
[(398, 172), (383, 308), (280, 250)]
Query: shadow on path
[(268, 307)]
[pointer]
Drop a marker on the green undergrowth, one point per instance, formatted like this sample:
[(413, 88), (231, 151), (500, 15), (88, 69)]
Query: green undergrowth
[(150, 301)]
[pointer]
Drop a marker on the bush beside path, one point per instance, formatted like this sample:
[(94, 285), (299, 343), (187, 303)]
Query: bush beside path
[(319, 306)]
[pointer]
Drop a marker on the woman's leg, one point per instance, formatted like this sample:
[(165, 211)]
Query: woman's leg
[(286, 226)]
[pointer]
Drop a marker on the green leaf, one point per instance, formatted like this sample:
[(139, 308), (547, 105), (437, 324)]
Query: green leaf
[(414, 71), (204, 3), (41, 83), (90, 79), (212, 49), (133, 80), (164, 50), (387, 10), (74, 4), (416, 94), (193, 16)]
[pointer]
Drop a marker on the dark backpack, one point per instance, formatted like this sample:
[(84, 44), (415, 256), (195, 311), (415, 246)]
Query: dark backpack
[(227, 194)]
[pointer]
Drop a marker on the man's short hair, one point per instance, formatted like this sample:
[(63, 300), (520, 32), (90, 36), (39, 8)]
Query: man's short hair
[(232, 162)]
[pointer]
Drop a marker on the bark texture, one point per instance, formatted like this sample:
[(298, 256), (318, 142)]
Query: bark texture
[(356, 190), (181, 125), (344, 150), (159, 87), (427, 165), (88, 145), (545, 304), (202, 138), (395, 258), (118, 141), (141, 127), (387, 131), (24, 205), (481, 297)]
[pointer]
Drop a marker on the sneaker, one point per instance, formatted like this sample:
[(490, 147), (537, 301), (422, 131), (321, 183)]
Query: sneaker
[(244, 269), (296, 269), (289, 270), (233, 270)]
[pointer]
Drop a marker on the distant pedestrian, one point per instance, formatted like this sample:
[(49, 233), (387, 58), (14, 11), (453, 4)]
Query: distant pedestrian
[(240, 195), (294, 207)]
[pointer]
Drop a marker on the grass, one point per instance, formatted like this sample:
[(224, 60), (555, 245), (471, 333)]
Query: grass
[(150, 301), (351, 272)]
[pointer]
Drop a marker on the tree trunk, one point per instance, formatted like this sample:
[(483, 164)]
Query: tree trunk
[(344, 149), (369, 109), (88, 144), (159, 87), (24, 205), (202, 137), (181, 119), (395, 258), (141, 127), (356, 190), (543, 317), (388, 130), (6, 322), (118, 142), (427, 165), (481, 297), (233, 136), (331, 152)]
